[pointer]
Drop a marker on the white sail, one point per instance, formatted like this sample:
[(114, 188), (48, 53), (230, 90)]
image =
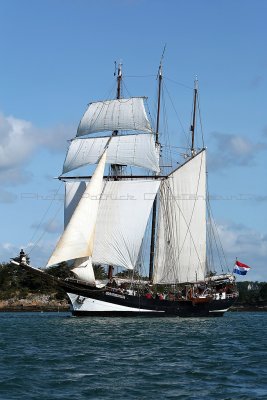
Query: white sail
[(78, 236), (123, 214), (181, 242), (112, 115), (83, 270), (135, 150), (73, 193), (122, 219)]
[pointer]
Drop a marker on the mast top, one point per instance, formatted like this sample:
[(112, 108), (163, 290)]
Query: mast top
[(196, 83), (117, 69), (159, 76), (119, 78), (120, 69)]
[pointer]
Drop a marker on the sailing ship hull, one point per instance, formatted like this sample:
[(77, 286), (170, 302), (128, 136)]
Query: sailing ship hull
[(108, 304), (86, 300)]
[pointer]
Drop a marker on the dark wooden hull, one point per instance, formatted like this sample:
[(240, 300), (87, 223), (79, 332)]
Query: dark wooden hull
[(107, 303)]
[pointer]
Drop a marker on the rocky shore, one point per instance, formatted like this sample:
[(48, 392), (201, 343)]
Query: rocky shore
[(33, 303)]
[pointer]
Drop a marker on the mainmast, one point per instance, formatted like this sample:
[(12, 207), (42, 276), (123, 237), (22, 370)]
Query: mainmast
[(115, 168), (192, 129), (154, 210)]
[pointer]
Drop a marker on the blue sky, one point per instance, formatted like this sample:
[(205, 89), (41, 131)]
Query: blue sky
[(57, 55)]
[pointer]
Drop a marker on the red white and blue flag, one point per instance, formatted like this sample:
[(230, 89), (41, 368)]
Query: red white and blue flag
[(240, 268)]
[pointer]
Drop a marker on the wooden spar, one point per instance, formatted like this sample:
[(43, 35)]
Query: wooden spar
[(119, 78), (112, 178), (159, 99), (194, 119), (154, 210)]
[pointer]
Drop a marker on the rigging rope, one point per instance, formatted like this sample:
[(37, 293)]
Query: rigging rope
[(172, 254), (32, 246)]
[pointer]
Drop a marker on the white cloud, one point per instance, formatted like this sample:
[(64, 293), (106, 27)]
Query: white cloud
[(14, 176), (50, 227), (55, 139), (39, 253), (248, 245), (233, 150), (7, 251), (16, 141), (19, 139)]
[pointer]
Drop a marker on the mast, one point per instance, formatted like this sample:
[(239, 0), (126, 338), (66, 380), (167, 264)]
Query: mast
[(194, 118), (154, 210), (119, 78), (115, 168)]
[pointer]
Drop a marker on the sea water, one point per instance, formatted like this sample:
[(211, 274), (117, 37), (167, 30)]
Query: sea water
[(57, 356)]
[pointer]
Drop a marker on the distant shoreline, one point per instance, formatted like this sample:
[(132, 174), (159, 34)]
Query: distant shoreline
[(247, 308), (39, 308)]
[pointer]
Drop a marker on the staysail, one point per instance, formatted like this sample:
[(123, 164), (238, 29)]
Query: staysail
[(135, 150), (77, 239), (181, 242), (122, 218), (110, 115), (83, 269)]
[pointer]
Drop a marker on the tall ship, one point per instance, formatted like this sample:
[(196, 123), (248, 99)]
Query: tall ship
[(145, 227)]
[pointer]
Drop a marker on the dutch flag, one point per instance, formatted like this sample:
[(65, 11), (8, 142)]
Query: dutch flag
[(240, 268)]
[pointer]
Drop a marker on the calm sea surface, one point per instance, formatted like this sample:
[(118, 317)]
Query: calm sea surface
[(56, 356)]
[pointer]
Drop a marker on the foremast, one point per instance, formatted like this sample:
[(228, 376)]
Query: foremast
[(120, 231), (116, 169)]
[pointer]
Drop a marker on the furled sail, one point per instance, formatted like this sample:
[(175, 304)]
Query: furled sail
[(181, 242), (111, 115), (136, 150), (121, 221), (78, 236)]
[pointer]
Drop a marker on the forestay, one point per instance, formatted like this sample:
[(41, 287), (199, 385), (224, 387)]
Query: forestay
[(181, 243), (122, 219), (135, 150), (112, 115)]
